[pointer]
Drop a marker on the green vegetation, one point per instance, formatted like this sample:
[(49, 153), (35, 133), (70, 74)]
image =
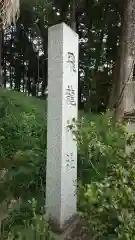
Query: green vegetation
[(106, 181), (22, 151), (98, 24), (106, 173), (34, 228)]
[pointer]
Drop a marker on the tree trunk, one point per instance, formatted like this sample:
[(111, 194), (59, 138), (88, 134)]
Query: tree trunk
[(0, 58), (87, 85), (73, 15), (127, 55)]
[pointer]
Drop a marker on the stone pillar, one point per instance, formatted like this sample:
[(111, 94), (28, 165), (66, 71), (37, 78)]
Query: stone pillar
[(61, 172)]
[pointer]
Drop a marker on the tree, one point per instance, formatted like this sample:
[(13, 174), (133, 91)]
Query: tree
[(126, 56), (9, 12), (98, 26)]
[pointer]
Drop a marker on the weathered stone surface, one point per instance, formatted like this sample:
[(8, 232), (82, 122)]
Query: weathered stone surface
[(61, 170)]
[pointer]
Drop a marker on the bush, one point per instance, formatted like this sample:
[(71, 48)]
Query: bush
[(22, 146), (106, 195), (106, 173), (100, 143), (35, 228)]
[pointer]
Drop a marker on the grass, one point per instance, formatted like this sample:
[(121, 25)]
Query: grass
[(29, 103)]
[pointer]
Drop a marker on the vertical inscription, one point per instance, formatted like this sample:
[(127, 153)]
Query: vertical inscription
[(70, 96), (70, 163), (71, 61)]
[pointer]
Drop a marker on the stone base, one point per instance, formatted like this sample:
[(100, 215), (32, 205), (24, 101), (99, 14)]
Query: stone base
[(66, 231)]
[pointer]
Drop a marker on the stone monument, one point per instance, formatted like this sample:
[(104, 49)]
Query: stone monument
[(61, 171)]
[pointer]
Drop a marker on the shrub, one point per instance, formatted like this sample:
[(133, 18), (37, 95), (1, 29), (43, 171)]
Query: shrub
[(100, 143), (22, 146), (106, 196), (35, 228)]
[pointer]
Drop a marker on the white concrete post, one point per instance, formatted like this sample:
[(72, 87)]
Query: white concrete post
[(61, 172)]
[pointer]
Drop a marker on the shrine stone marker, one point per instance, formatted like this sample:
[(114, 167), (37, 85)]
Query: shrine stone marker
[(61, 171)]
